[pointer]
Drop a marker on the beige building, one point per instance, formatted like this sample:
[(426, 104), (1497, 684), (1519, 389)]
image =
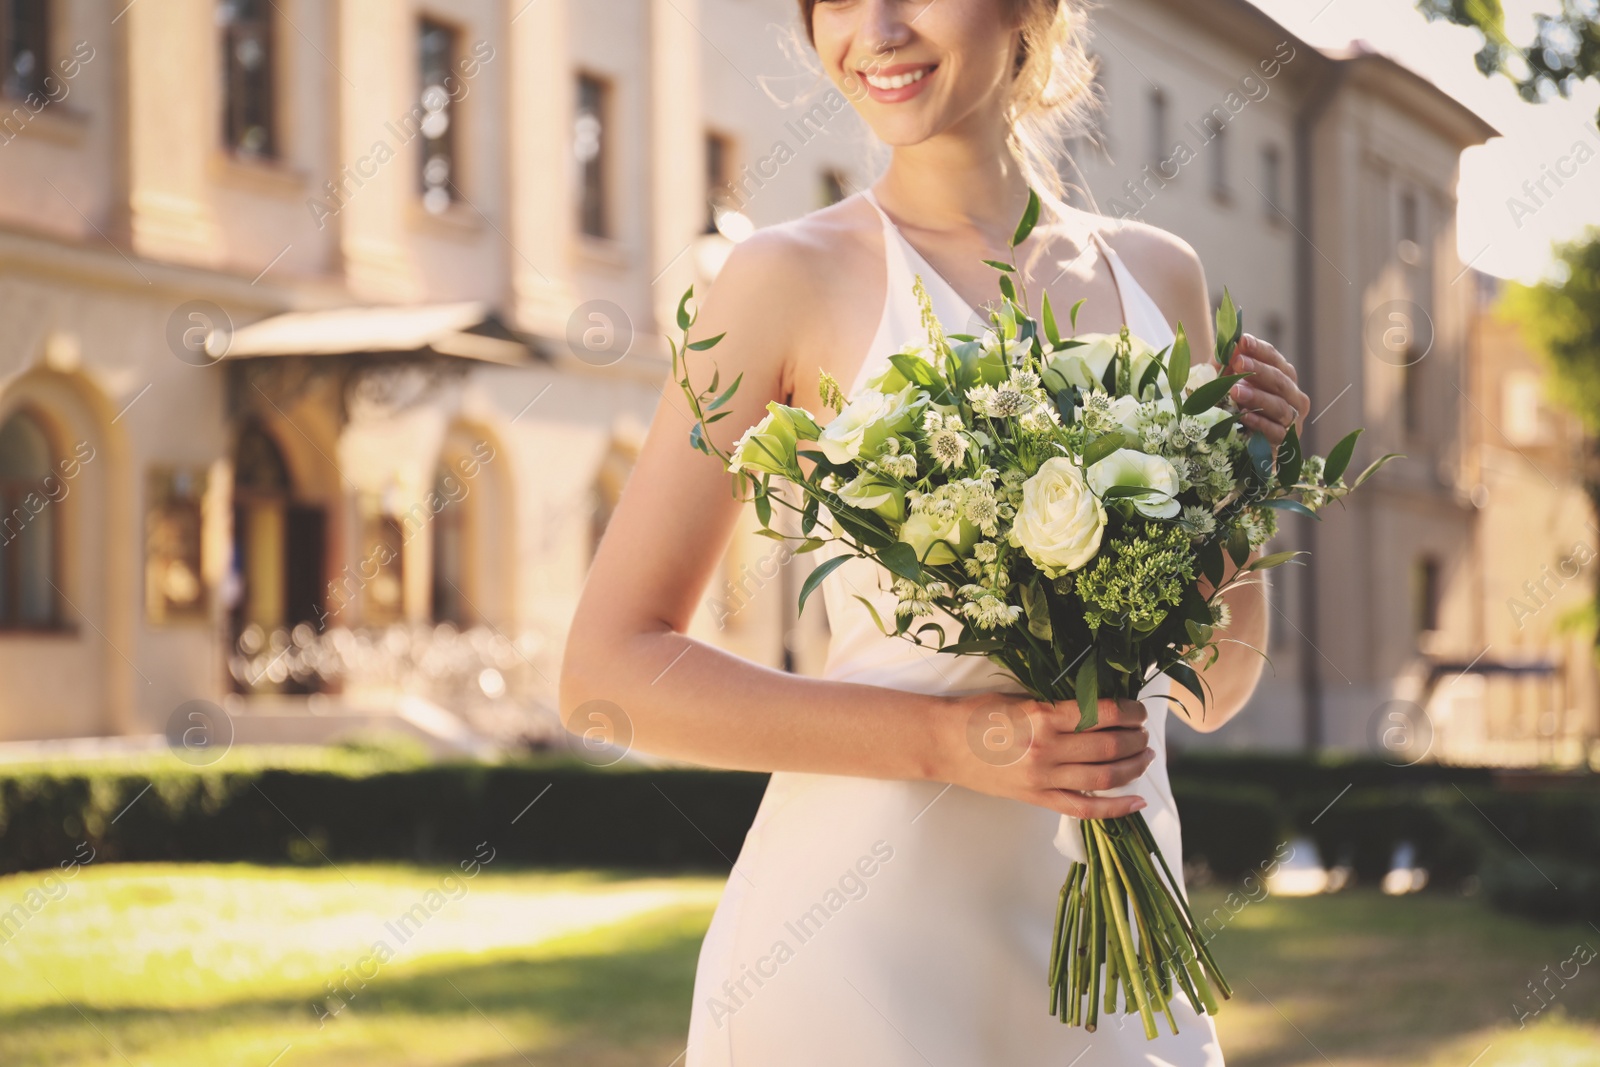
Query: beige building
[(333, 326)]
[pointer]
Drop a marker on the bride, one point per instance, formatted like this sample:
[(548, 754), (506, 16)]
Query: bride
[(893, 901)]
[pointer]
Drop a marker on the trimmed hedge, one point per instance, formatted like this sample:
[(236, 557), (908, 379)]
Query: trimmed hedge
[(579, 816), (1236, 811)]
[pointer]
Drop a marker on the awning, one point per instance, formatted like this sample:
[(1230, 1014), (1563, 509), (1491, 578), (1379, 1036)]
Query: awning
[(467, 330)]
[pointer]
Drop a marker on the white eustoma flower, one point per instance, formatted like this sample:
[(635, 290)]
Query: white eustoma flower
[(872, 492), (1060, 521), (1085, 366), (867, 419), (1199, 376), (1127, 467)]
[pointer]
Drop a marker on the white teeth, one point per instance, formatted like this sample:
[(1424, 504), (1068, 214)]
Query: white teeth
[(898, 80)]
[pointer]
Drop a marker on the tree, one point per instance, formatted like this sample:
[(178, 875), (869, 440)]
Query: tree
[(1565, 49), (1562, 321)]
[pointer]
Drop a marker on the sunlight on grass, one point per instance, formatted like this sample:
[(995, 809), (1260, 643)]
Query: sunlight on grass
[(204, 964)]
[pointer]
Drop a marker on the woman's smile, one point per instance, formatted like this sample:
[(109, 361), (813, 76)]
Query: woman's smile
[(892, 85)]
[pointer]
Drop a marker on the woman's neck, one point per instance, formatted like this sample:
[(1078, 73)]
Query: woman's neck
[(957, 181)]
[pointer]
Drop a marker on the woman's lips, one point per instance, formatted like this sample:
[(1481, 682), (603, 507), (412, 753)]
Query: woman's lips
[(893, 85)]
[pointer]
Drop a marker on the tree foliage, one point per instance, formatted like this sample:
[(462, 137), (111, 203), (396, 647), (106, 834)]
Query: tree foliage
[(1565, 49)]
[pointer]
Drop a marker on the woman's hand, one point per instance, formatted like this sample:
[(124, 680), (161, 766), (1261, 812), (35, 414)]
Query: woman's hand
[(1270, 399), (1028, 750)]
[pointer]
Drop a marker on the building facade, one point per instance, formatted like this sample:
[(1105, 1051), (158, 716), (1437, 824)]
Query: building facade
[(334, 326)]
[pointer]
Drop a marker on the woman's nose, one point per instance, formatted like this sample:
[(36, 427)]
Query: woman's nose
[(886, 27)]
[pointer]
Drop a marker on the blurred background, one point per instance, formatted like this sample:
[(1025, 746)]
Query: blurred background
[(332, 329)]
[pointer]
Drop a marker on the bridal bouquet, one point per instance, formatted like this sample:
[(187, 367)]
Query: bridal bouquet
[(1050, 502)]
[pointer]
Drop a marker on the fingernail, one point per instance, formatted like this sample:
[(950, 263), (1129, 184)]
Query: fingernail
[(1138, 805)]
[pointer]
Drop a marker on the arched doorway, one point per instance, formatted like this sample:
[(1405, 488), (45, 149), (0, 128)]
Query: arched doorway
[(279, 550), (29, 539)]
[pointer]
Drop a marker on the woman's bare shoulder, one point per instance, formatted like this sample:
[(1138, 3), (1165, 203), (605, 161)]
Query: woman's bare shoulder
[(1167, 266), (802, 257)]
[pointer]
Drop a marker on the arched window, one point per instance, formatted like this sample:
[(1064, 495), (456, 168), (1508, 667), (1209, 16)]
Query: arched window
[(449, 550), (28, 522)]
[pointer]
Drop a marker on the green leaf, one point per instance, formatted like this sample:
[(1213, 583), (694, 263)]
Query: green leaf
[(1206, 396), (901, 559), (1274, 559), (1178, 364), (726, 393), (1185, 676), (810, 544), (1087, 690), (1238, 545), (1007, 287), (1211, 565), (808, 517), (1222, 428), (936, 628), (876, 618), (1339, 457), (1259, 449), (1000, 265), (763, 505), (1037, 608), (697, 438), (1372, 468), (1148, 378), (709, 342), (815, 578), (1230, 325), (1073, 315), (1116, 492), (1290, 457), (1286, 504), (916, 370), (685, 320), (1103, 446), (1048, 317), (1030, 219)]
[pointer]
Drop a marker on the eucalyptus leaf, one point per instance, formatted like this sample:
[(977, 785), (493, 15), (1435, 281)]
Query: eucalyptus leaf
[(685, 320), (1030, 219), (814, 579), (1087, 690), (1339, 457)]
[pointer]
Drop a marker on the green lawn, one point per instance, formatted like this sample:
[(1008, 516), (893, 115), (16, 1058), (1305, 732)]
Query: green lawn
[(197, 965)]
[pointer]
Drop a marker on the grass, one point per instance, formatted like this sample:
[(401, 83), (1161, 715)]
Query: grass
[(191, 965)]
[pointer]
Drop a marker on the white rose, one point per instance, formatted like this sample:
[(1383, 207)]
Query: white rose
[(1125, 409), (1127, 467), (1060, 521), (869, 417)]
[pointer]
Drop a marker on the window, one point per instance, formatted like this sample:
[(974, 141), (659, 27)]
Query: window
[(29, 495), (719, 176), (383, 568), (1158, 128), (25, 44), (1411, 393), (834, 187), (1272, 181), (1272, 330), (1425, 593), (247, 60), (1408, 217), (1219, 164), (437, 55), (589, 143), (449, 549), (173, 586)]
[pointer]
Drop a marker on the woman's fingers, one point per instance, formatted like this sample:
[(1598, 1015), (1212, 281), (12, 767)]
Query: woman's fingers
[(1095, 777), (1078, 805)]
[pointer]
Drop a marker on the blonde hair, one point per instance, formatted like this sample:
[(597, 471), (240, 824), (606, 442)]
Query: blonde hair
[(1052, 97)]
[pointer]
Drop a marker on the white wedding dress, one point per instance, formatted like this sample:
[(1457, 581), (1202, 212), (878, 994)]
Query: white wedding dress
[(872, 923)]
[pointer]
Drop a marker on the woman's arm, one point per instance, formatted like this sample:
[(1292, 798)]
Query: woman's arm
[(1268, 398), (689, 700)]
